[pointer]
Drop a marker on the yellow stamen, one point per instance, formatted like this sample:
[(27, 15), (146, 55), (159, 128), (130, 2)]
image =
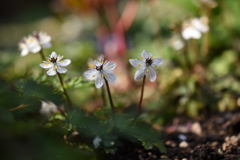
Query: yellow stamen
[(104, 75), (93, 75), (30, 40), (21, 46), (155, 66), (108, 66), (141, 57), (91, 65), (139, 65), (147, 71), (46, 64), (55, 68), (48, 60)]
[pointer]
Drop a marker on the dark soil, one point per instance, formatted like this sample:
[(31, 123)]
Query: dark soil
[(208, 137)]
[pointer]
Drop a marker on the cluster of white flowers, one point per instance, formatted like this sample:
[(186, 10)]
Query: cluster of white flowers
[(194, 28), (34, 43), (54, 64), (147, 65), (100, 69), (48, 108)]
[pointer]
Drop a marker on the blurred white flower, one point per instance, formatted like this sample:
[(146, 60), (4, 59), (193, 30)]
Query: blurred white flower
[(54, 64), (29, 44), (147, 65), (48, 108), (100, 69), (194, 28), (43, 39), (96, 141), (176, 42)]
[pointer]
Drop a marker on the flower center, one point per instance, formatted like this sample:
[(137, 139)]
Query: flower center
[(52, 59), (149, 61)]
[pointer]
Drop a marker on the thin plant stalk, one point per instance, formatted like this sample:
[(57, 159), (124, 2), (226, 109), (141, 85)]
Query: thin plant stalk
[(103, 96), (64, 91), (110, 99), (205, 46), (195, 50), (185, 54), (42, 55), (140, 101)]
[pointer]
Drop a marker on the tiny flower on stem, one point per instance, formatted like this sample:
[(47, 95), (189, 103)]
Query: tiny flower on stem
[(194, 28), (100, 70), (29, 44), (43, 39), (34, 43), (147, 66), (96, 141), (48, 108), (54, 64)]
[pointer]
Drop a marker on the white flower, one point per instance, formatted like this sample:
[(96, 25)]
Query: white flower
[(176, 42), (29, 44), (147, 65), (54, 64), (100, 69), (34, 43), (194, 28), (43, 39), (48, 108), (96, 141)]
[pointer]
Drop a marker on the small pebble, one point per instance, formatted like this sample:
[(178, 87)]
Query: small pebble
[(196, 128), (164, 156), (182, 137), (183, 144)]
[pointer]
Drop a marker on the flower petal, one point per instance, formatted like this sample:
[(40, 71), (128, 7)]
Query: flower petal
[(145, 54), (46, 65), (140, 73), (92, 73), (99, 82), (191, 32), (51, 72), (110, 77), (152, 74), (64, 63), (24, 52), (97, 63), (46, 45), (109, 66), (36, 48), (61, 70), (157, 62), (54, 55), (136, 63)]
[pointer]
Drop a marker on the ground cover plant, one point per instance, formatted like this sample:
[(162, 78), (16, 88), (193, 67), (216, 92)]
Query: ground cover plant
[(111, 79)]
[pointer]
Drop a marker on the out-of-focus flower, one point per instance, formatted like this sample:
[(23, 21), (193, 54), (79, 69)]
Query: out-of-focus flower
[(34, 43), (194, 28), (43, 39), (207, 3), (29, 44), (176, 42), (54, 64), (147, 65), (96, 141), (48, 108), (100, 69)]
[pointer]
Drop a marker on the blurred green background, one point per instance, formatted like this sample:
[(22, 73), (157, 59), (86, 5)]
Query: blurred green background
[(120, 30)]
